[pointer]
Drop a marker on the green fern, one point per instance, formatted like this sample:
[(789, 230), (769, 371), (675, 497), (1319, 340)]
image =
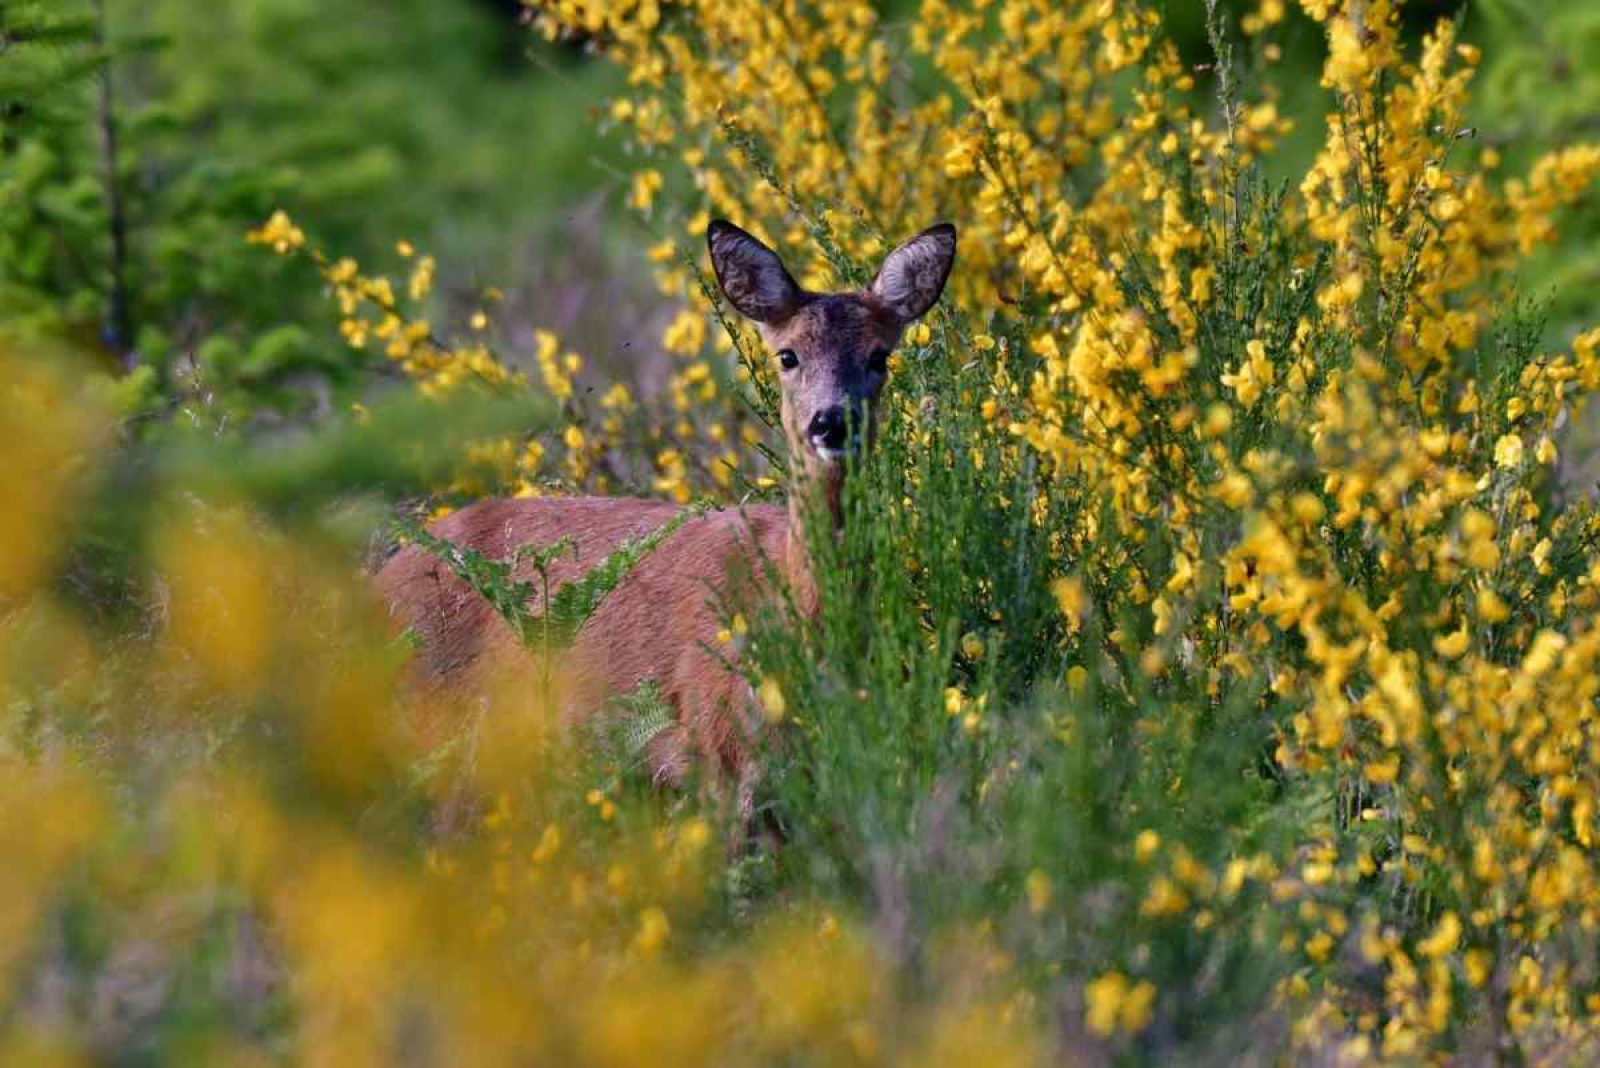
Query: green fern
[(574, 602), (647, 714), (493, 580), (571, 604)]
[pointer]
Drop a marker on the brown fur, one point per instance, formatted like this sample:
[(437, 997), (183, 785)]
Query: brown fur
[(662, 619), (661, 622)]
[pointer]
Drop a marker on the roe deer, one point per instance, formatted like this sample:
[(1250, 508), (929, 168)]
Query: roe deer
[(660, 623)]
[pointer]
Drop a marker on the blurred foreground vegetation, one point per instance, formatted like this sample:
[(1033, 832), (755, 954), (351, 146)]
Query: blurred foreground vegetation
[(1206, 672)]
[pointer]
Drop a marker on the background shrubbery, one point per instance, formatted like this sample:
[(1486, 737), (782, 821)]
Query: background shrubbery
[(1206, 671)]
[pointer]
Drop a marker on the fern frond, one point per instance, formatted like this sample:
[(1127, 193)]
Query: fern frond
[(574, 602), (571, 605), (647, 714), (493, 580)]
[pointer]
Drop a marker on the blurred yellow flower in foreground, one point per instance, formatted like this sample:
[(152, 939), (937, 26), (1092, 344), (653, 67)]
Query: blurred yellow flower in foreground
[(1112, 1002)]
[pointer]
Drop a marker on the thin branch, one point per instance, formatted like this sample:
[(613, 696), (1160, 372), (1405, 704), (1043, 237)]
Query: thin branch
[(119, 321)]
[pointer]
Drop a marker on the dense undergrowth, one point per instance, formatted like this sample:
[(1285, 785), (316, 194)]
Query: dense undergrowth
[(1205, 673)]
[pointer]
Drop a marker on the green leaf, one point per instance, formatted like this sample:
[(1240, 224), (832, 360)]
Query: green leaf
[(571, 605), (647, 714), (574, 602)]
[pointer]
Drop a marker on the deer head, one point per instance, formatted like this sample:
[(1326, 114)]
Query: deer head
[(832, 349)]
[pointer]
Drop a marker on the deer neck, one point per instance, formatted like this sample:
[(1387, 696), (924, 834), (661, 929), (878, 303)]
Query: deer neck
[(797, 554)]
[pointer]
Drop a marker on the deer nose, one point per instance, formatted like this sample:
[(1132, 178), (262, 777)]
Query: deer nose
[(829, 428)]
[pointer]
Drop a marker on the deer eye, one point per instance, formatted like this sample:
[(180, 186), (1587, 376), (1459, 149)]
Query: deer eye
[(788, 360), (879, 361)]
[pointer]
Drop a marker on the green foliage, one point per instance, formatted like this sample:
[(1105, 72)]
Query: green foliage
[(564, 609), (644, 715), (1541, 78), (49, 57), (217, 114), (573, 603), (960, 755), (933, 776), (495, 580), (1541, 86), (961, 750)]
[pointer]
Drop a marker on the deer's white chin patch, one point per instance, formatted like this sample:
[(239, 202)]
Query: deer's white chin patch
[(827, 455)]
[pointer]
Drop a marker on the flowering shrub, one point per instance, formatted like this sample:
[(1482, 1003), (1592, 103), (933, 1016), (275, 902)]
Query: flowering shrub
[(1205, 668), (1285, 445)]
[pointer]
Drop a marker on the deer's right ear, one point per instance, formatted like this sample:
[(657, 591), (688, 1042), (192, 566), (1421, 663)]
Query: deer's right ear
[(751, 275), (913, 275)]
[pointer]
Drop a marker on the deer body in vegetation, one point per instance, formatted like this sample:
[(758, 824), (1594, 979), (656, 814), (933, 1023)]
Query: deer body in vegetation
[(660, 624)]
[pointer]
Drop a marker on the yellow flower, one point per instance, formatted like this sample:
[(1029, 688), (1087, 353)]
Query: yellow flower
[(1452, 645), (548, 845), (1252, 376), (1039, 890), (421, 283), (1182, 574), (1103, 1003), (1349, 61), (1382, 772), (1071, 598), (1137, 1006), (1307, 508), (280, 233), (1164, 898), (1110, 1001), (1319, 946), (1218, 420), (1508, 451), (646, 184), (772, 702), (1444, 939), (1163, 616), (1479, 964), (1492, 608), (1583, 820), (653, 931)]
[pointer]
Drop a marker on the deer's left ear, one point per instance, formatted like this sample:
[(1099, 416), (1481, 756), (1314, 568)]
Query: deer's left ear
[(751, 275), (913, 275)]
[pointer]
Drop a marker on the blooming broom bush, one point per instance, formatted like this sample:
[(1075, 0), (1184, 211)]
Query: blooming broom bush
[(1205, 669)]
